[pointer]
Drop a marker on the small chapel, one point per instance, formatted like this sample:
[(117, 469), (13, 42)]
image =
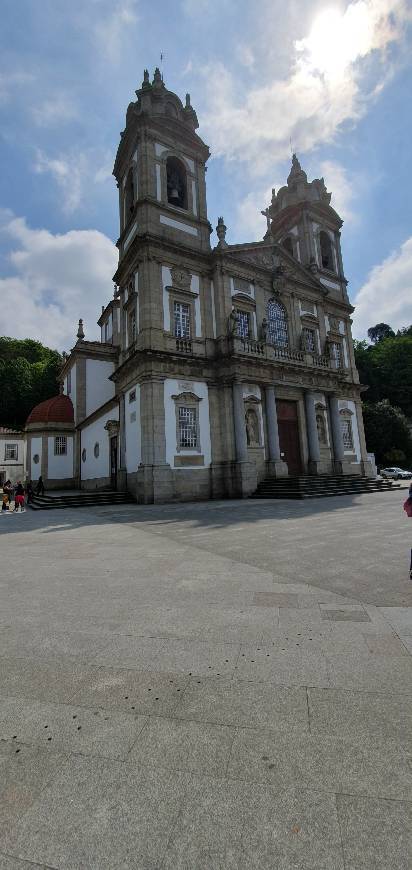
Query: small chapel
[(217, 368)]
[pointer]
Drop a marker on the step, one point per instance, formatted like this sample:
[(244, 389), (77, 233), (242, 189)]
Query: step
[(84, 498), (307, 486)]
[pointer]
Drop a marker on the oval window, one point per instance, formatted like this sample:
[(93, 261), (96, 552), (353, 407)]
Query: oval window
[(96, 450), (84, 454), (36, 458)]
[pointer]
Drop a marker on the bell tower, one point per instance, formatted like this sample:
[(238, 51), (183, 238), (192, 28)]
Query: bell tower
[(160, 171)]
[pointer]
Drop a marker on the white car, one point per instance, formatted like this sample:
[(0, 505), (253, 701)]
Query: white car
[(396, 473)]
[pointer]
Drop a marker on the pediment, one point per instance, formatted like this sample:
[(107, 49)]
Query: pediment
[(275, 260)]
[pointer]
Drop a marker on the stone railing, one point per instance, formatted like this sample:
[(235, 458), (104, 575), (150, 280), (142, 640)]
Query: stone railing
[(257, 348), (184, 345), (287, 354), (322, 361)]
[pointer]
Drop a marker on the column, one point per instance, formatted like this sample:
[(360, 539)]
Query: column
[(272, 425), (312, 430), (154, 477), (239, 421), (337, 438), (366, 465)]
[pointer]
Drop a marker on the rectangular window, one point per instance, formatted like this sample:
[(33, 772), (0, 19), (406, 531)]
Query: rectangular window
[(187, 427), (11, 451), (309, 340), (243, 324), (60, 445), (132, 396), (347, 434), (336, 352), (181, 315)]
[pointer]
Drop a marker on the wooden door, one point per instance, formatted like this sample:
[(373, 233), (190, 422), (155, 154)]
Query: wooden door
[(288, 426)]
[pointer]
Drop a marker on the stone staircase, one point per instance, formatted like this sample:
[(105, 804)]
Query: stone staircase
[(311, 486), (81, 498)]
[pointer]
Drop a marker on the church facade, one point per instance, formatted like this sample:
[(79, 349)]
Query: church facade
[(217, 367)]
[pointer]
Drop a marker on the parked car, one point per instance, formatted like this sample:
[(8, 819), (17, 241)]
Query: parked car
[(396, 473)]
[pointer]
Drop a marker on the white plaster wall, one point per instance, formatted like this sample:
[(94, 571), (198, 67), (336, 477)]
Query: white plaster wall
[(173, 388), (60, 467), (36, 447), (133, 430), (346, 403), (72, 393), (90, 435), (13, 469), (98, 388)]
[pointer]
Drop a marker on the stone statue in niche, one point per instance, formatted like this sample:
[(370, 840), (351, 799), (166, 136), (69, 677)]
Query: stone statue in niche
[(252, 428), (232, 322), (321, 427)]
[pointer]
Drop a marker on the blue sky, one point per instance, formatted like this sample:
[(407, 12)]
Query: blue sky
[(332, 77)]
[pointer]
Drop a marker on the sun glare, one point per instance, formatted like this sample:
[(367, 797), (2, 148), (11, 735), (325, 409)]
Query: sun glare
[(336, 40)]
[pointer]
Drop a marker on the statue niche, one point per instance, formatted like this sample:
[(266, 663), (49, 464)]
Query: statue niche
[(252, 428)]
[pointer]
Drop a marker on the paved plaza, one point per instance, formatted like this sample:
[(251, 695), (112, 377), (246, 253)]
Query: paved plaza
[(216, 686)]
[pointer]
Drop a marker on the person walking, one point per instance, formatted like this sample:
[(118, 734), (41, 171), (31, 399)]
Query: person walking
[(40, 486), (19, 498), (408, 510), (30, 492)]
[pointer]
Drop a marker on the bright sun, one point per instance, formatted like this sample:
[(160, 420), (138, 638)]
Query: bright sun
[(337, 39)]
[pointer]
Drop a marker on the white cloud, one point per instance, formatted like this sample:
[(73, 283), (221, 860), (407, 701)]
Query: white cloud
[(74, 173), (386, 295), (113, 24), (329, 84), (341, 186), (55, 110), (54, 280)]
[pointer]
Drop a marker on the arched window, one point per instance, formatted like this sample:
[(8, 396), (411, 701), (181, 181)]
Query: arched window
[(288, 245), (326, 252), (176, 182), (129, 195), (277, 325)]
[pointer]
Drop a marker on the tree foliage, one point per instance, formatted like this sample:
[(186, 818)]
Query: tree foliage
[(387, 432), (28, 375), (386, 368), (379, 332)]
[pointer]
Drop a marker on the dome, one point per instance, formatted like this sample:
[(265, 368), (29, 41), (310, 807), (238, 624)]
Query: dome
[(59, 409)]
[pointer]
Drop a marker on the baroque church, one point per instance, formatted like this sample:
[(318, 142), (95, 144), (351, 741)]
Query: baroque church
[(217, 367)]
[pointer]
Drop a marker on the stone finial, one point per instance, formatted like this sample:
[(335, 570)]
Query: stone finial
[(115, 291), (146, 82), (313, 266), (80, 331), (157, 78), (188, 106), (221, 230), (296, 173)]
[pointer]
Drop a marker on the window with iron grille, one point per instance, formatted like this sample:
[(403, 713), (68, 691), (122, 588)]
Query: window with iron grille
[(309, 340), (187, 427), (277, 330), (243, 324), (11, 451), (181, 314), (60, 445), (347, 434), (336, 353)]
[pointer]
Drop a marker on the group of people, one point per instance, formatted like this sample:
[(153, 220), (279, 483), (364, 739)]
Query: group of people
[(18, 492)]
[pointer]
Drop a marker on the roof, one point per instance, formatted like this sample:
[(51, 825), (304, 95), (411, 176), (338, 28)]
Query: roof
[(59, 409)]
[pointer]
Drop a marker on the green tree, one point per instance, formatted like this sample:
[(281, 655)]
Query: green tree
[(386, 430), (379, 332), (28, 375)]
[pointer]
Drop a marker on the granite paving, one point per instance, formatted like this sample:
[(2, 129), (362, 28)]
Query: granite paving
[(214, 686)]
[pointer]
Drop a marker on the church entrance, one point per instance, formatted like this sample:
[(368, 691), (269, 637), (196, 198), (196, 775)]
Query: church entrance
[(288, 425), (113, 462)]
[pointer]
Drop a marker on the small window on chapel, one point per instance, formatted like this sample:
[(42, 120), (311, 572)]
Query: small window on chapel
[(176, 182), (60, 445), (326, 252)]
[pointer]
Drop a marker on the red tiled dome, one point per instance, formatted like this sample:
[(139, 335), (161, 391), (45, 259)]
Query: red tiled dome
[(59, 409)]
